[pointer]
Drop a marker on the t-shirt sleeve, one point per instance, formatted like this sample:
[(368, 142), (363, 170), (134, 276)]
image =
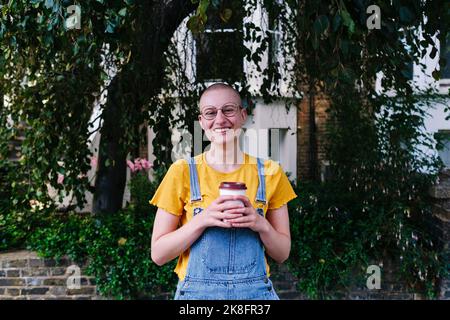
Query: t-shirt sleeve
[(171, 193), (281, 188)]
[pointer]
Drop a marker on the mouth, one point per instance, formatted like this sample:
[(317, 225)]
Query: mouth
[(222, 130)]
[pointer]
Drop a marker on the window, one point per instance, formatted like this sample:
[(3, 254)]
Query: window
[(220, 49), (274, 41), (445, 55), (443, 146), (274, 142), (408, 70)]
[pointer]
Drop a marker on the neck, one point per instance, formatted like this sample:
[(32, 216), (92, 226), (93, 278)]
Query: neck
[(227, 154)]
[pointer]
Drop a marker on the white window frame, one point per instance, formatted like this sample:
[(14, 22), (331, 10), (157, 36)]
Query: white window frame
[(443, 83)]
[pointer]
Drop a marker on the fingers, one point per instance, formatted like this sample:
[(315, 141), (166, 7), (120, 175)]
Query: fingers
[(221, 216), (222, 224), (229, 205), (241, 210), (240, 219), (242, 225), (220, 219)]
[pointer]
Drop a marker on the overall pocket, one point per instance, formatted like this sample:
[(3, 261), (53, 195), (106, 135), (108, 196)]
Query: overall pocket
[(227, 251)]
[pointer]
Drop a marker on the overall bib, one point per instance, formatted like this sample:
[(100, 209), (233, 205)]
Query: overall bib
[(226, 264)]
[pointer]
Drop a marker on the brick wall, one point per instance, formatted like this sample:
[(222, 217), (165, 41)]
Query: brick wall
[(322, 104), (441, 222), (25, 276), (391, 289)]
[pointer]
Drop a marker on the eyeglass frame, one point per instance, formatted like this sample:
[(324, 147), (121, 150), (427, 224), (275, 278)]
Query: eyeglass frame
[(237, 106)]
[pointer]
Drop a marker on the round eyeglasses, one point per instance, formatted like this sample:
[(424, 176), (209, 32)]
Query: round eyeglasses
[(228, 110)]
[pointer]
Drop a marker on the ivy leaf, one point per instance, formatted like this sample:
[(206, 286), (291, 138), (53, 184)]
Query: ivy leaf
[(406, 15), (348, 21), (215, 3), (195, 24), (436, 75), (201, 12), (337, 20), (49, 4), (433, 52), (109, 27), (321, 24), (123, 12), (226, 14)]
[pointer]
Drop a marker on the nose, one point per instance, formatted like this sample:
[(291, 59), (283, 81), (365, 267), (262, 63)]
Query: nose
[(220, 117)]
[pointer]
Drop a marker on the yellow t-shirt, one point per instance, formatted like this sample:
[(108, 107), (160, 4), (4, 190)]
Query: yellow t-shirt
[(173, 194)]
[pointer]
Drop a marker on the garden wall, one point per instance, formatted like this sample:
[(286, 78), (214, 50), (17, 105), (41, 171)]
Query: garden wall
[(25, 276)]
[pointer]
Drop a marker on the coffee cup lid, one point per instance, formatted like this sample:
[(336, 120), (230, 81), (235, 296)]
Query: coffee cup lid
[(233, 186)]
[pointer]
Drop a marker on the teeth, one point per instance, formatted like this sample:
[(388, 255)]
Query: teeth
[(220, 130)]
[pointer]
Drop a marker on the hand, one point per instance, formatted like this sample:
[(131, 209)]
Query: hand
[(250, 219), (215, 216)]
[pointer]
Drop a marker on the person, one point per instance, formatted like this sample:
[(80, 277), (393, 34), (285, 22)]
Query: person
[(222, 240)]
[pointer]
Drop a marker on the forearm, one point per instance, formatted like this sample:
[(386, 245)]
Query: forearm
[(277, 245), (171, 245)]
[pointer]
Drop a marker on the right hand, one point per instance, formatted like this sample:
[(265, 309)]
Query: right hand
[(214, 216)]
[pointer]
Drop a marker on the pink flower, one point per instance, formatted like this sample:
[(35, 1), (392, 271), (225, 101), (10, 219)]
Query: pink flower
[(131, 166), (60, 178), (137, 165), (146, 164)]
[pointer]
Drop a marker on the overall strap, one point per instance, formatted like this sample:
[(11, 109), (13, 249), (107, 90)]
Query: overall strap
[(195, 186), (261, 193)]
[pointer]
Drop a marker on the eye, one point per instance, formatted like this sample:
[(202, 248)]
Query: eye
[(209, 112), (229, 109)]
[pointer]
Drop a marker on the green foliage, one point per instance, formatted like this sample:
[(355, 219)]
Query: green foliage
[(23, 206), (116, 247), (336, 235), (374, 208), (51, 78), (326, 245)]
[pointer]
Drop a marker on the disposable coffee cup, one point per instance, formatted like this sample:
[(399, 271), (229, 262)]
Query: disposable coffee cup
[(233, 189)]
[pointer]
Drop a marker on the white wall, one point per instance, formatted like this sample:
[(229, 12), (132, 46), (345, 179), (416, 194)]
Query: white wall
[(422, 79), (273, 116)]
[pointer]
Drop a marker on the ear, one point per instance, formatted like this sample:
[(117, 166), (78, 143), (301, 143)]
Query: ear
[(244, 115), (200, 121)]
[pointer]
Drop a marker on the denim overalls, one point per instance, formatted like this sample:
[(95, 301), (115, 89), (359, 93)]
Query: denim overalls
[(226, 264)]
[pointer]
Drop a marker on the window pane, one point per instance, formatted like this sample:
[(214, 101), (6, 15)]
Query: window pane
[(219, 56), (445, 54), (408, 70), (217, 17), (220, 50), (443, 147)]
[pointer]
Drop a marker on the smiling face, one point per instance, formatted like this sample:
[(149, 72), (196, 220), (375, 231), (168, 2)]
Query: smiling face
[(222, 129)]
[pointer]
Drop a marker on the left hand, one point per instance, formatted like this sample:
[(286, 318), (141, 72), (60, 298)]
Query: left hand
[(250, 219)]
